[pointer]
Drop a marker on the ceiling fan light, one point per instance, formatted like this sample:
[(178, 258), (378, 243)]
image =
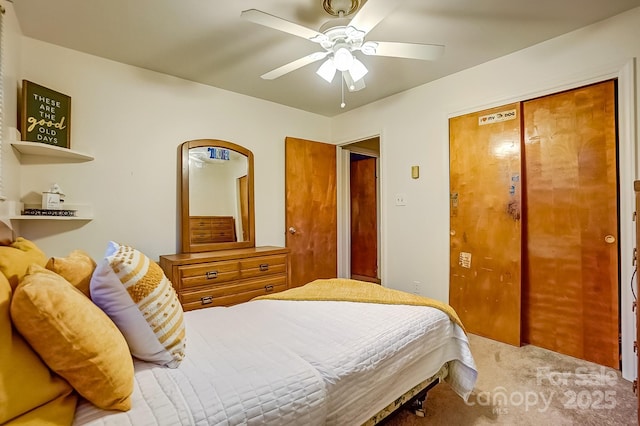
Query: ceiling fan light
[(327, 70), (357, 70), (343, 59), (353, 86)]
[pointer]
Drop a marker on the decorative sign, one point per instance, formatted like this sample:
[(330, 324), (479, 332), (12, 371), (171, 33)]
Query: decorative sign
[(45, 115), (218, 153), (497, 117)]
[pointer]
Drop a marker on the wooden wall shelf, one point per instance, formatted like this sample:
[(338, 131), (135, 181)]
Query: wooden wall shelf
[(14, 209), (29, 217), (45, 150)]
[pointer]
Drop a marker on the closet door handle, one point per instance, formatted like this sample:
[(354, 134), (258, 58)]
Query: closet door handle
[(609, 239)]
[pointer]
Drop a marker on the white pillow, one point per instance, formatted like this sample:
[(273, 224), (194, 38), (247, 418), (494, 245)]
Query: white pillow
[(134, 292)]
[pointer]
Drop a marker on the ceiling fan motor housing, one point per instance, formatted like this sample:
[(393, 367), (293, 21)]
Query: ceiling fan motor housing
[(341, 36)]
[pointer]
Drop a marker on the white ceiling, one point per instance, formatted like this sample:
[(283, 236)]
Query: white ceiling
[(206, 40)]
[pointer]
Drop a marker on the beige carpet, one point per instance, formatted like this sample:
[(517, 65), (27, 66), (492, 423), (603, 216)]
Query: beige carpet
[(530, 386)]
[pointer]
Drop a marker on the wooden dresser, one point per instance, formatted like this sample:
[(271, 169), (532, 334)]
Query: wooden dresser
[(227, 277), (212, 229)]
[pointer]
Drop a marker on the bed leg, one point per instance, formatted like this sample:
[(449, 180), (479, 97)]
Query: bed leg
[(417, 404)]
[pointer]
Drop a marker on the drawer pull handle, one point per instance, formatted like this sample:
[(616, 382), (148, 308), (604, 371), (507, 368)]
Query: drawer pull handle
[(212, 274), (268, 288), (206, 300), (264, 266)]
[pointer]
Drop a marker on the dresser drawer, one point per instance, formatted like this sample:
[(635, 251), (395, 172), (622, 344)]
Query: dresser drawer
[(200, 235), (265, 265), (212, 273), (200, 224), (220, 235), (232, 294), (212, 229)]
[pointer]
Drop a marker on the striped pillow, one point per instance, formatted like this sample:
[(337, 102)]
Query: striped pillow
[(134, 292)]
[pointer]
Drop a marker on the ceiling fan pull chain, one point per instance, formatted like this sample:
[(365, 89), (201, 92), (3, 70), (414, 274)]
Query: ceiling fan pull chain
[(342, 105)]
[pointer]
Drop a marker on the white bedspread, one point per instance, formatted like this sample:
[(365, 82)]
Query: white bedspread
[(291, 362)]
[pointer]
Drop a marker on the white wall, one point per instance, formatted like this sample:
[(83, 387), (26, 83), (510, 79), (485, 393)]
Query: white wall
[(132, 121), (414, 131)]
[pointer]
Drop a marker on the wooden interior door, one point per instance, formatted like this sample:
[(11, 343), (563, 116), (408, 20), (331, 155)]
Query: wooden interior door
[(570, 293), (364, 218), (311, 210), (485, 241)]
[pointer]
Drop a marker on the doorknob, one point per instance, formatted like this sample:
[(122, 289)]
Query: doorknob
[(292, 230), (609, 239)]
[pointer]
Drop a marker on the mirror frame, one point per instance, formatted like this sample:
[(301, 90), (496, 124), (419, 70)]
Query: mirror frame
[(185, 241)]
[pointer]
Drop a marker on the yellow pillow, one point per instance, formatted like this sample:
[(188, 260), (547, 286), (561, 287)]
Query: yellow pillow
[(74, 337), (76, 268), (28, 389), (16, 258)]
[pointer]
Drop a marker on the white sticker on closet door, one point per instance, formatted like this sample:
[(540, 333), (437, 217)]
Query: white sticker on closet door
[(464, 259), (497, 117)]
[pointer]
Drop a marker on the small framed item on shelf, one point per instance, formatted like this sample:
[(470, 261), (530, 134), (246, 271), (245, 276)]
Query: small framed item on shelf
[(46, 115), (50, 201), (53, 199)]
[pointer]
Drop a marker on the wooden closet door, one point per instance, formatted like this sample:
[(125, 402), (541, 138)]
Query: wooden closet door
[(570, 279), (485, 242)]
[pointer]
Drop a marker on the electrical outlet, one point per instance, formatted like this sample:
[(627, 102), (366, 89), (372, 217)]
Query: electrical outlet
[(416, 287), (401, 199)]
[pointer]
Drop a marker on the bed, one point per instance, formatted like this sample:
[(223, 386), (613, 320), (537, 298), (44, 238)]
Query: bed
[(275, 361), (295, 362)]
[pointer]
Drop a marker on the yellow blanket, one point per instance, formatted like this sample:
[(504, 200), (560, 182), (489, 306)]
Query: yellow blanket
[(346, 290)]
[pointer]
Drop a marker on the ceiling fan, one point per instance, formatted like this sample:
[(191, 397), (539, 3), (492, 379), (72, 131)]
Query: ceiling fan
[(341, 38)]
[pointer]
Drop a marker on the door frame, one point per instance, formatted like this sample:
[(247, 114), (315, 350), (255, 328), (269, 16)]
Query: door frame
[(627, 172), (343, 161)]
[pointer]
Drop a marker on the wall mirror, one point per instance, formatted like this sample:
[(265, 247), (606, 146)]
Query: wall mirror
[(216, 195)]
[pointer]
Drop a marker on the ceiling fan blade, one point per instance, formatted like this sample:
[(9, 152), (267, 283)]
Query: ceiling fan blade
[(292, 66), (262, 18), (371, 13), (426, 52)]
